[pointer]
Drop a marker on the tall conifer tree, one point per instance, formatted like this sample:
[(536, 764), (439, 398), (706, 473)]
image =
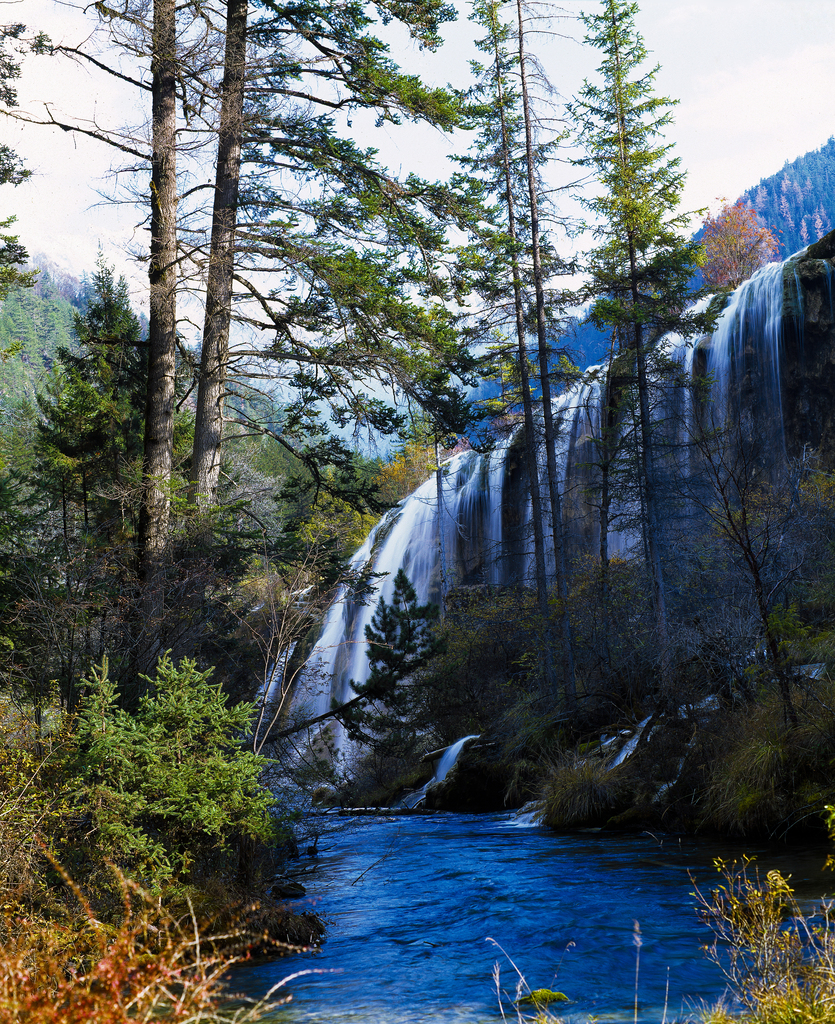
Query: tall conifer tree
[(513, 268), (642, 267)]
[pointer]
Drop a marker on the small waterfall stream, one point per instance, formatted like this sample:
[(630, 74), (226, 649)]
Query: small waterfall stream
[(486, 503), (445, 766)]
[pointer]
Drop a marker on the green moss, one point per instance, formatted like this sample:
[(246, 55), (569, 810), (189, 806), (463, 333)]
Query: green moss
[(544, 996), (585, 748)]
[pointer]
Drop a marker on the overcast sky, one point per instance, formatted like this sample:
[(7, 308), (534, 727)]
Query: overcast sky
[(754, 79)]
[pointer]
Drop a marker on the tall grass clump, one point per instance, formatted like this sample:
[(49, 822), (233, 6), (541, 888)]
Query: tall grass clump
[(582, 790), (771, 774)]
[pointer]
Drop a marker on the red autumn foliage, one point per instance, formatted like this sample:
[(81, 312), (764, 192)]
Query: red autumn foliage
[(736, 244)]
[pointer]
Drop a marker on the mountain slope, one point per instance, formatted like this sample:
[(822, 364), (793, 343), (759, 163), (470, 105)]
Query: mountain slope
[(798, 203), (34, 323)]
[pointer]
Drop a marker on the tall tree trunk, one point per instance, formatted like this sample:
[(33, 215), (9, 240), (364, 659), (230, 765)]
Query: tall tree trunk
[(650, 495), (439, 492), (606, 459), (527, 402), (208, 427), (159, 407), (547, 408)]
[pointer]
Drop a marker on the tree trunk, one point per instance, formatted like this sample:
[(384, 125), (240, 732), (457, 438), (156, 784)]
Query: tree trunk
[(208, 427), (606, 458), (159, 407), (647, 467), (527, 403), (439, 491), (569, 682)]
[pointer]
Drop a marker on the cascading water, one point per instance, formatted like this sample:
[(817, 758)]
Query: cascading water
[(407, 538), (445, 766), (745, 350), (485, 510)]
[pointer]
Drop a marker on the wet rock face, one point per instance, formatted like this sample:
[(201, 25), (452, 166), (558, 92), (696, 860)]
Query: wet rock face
[(478, 782), (808, 364), (823, 249)]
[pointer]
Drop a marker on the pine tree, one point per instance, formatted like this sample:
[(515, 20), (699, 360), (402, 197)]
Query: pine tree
[(90, 432), (170, 787), (13, 255), (400, 641), (557, 527), (337, 263), (511, 265), (641, 269)]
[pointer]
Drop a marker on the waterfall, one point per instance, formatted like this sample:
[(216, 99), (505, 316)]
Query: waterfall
[(486, 503), (744, 352), (445, 766), (407, 537)]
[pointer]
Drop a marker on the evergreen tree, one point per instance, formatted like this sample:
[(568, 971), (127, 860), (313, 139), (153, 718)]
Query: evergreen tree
[(511, 266), (13, 255), (339, 262), (641, 269), (169, 787), (557, 527), (90, 433), (336, 262), (400, 641)]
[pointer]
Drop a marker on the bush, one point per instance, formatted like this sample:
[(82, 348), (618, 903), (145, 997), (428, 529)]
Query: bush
[(170, 784), (149, 967), (780, 964)]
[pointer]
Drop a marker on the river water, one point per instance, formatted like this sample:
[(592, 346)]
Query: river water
[(411, 904)]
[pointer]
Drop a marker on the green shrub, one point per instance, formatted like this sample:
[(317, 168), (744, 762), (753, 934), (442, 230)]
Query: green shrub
[(170, 784)]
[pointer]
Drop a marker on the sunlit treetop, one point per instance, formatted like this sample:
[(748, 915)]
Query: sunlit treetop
[(736, 244)]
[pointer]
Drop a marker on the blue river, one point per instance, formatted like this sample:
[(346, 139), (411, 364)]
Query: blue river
[(422, 912)]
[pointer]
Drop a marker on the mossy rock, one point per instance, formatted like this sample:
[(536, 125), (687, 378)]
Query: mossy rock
[(823, 249), (638, 817), (543, 997), (586, 748)]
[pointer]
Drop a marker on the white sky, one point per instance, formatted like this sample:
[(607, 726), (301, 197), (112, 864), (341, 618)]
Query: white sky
[(754, 79)]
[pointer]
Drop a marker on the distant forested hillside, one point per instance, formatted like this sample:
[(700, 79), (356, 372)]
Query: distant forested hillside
[(34, 323), (798, 203)]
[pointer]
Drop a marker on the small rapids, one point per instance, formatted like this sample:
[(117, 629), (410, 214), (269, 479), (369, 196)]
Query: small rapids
[(445, 766), (410, 903)]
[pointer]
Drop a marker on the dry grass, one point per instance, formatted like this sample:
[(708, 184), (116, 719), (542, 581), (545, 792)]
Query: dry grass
[(148, 967), (582, 791)]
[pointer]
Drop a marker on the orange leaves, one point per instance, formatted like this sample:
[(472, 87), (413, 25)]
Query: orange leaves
[(736, 244), (146, 967)]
